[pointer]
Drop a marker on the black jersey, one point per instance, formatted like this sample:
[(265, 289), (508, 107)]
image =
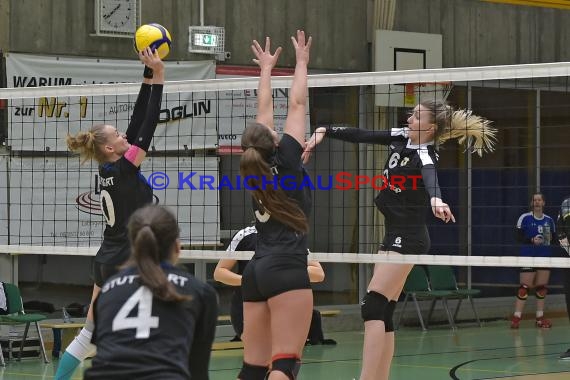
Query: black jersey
[(563, 220), (243, 240), (141, 337), (289, 173), (123, 187), (123, 190), (410, 177)]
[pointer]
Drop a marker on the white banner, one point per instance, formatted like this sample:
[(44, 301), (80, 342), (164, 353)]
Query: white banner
[(187, 120), (238, 108), (55, 201)]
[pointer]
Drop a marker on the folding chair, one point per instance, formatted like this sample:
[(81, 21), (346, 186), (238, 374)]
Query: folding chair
[(417, 288), (441, 277), (17, 316)]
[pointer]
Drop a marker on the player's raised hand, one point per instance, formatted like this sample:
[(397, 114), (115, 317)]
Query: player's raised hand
[(151, 59), (302, 47), (263, 57)]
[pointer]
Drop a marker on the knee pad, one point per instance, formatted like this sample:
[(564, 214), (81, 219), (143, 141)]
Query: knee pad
[(540, 292), (289, 364), (522, 293), (373, 306), (388, 316), (252, 372)]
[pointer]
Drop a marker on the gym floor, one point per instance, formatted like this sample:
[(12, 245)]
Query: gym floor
[(490, 352)]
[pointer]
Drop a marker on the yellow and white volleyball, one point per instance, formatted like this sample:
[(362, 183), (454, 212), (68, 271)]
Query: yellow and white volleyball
[(154, 35)]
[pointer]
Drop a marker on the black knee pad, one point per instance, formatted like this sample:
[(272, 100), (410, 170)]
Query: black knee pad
[(289, 364), (388, 316), (522, 293), (540, 292), (373, 306), (252, 372)]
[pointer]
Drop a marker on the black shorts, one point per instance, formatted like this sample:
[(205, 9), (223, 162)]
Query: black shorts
[(102, 272), (406, 241), (268, 276)]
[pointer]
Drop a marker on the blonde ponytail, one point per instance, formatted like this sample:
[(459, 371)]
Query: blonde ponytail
[(88, 144), (465, 125), (475, 132)]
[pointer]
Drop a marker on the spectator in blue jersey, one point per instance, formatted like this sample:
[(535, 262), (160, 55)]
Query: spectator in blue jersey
[(412, 152), (152, 320), (277, 294), (123, 189), (563, 226), (536, 232), (229, 271)]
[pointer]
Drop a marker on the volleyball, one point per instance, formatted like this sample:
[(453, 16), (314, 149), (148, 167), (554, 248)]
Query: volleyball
[(154, 35)]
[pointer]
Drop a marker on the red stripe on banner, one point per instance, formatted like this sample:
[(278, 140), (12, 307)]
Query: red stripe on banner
[(2, 104), (249, 71), (228, 149)]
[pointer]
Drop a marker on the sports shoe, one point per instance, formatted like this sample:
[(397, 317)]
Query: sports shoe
[(565, 355), (543, 323), (515, 322)]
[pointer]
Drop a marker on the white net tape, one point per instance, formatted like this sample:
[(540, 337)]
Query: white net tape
[(462, 74), (342, 258)]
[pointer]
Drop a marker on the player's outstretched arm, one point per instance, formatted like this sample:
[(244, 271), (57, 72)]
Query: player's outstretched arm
[(266, 62), (296, 116)]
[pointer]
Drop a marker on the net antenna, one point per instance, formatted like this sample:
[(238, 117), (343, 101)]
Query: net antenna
[(416, 92)]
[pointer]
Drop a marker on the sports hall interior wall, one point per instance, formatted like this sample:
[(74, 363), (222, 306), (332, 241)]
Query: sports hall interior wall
[(475, 33)]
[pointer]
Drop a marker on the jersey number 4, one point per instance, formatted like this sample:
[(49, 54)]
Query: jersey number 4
[(143, 321)]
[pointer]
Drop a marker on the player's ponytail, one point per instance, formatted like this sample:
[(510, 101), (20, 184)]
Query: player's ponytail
[(89, 144), (258, 146), (475, 132), (153, 233)]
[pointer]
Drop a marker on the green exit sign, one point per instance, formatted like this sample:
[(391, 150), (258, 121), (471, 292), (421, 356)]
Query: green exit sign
[(205, 39)]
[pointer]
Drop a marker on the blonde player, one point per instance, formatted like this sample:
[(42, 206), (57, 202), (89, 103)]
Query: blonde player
[(412, 156)]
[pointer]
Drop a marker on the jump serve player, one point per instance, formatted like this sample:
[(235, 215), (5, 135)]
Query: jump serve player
[(278, 300), (412, 152), (123, 189)]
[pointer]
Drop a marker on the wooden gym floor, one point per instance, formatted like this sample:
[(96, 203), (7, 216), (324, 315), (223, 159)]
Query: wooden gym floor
[(491, 352)]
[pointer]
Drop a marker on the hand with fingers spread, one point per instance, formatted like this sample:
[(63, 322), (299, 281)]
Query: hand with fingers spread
[(302, 47), (263, 57), (311, 144), (151, 59), (441, 210)]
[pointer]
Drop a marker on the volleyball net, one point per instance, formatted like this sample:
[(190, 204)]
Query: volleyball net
[(48, 200)]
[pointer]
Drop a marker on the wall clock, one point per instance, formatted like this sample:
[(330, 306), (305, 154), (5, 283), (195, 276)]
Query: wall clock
[(117, 18)]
